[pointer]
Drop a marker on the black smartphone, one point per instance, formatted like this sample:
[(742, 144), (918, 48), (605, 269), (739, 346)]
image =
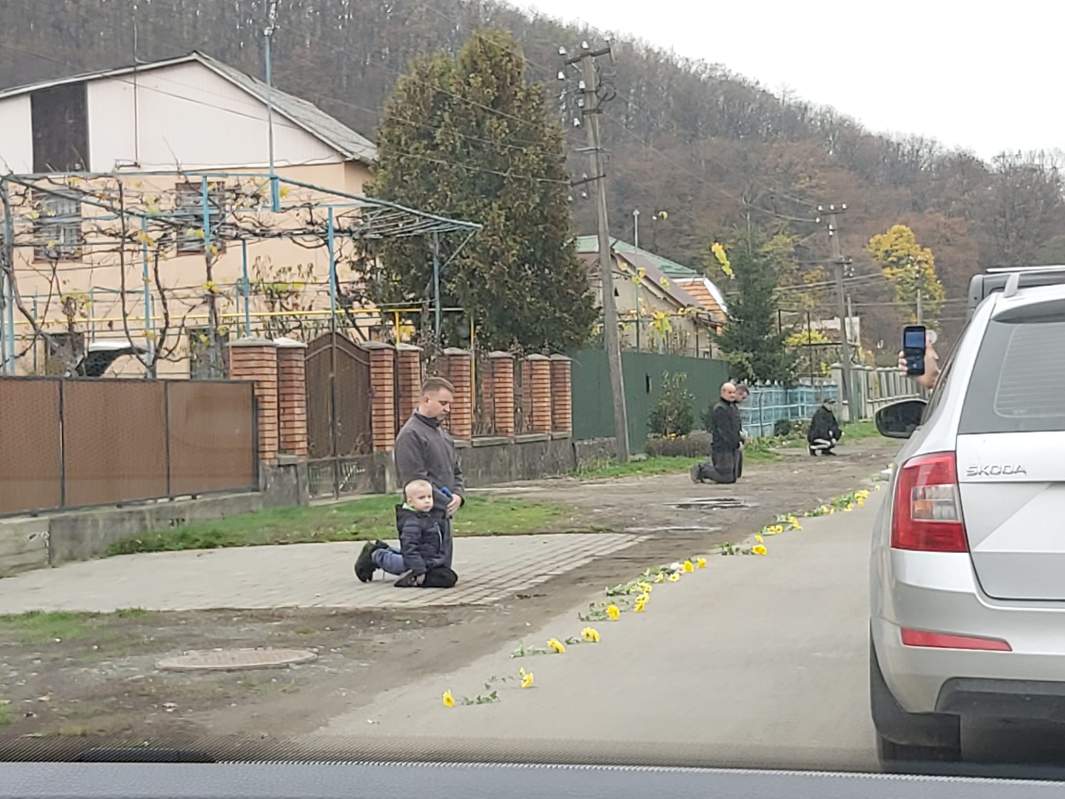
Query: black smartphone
[(914, 340)]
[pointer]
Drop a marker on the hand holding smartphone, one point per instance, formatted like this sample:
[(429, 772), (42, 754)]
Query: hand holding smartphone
[(914, 342)]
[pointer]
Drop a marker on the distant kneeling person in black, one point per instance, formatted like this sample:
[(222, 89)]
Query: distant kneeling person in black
[(824, 432), (723, 466)]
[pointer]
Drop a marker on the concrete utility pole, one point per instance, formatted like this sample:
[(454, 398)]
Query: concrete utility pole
[(268, 34), (840, 262), (590, 105)]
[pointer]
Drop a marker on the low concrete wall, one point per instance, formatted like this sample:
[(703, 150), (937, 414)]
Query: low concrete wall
[(23, 545), (55, 538), (80, 535), (502, 460), (591, 451)]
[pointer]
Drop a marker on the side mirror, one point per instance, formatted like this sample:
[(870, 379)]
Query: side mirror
[(900, 419)]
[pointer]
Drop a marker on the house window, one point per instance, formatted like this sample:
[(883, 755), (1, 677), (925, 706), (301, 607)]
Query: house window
[(188, 200), (60, 128), (57, 230)]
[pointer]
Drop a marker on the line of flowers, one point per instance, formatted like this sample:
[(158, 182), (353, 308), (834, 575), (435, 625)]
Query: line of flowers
[(635, 595), (789, 521), (632, 596)]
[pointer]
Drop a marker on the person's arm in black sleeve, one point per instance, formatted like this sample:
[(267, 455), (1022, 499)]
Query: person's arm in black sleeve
[(410, 539), (837, 434), (460, 483)]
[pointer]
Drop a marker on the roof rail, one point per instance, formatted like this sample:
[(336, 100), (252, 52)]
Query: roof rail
[(999, 270), (1011, 280)]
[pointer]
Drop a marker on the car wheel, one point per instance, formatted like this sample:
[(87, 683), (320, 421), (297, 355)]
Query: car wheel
[(903, 737)]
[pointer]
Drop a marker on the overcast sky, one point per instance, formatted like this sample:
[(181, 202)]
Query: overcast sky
[(980, 76)]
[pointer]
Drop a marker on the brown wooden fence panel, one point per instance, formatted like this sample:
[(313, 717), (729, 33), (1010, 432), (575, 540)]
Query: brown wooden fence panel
[(31, 466), (114, 441), (212, 442)]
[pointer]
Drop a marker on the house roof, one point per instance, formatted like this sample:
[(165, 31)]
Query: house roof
[(698, 288), (590, 244), (654, 279), (296, 110), (705, 293)]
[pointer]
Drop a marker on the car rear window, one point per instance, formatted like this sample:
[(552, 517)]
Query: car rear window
[(1018, 383)]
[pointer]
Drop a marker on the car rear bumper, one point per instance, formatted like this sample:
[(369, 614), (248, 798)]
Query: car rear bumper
[(938, 592), (1029, 700), (930, 680)]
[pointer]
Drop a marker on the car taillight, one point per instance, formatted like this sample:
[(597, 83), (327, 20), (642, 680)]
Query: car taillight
[(927, 513), (925, 638)]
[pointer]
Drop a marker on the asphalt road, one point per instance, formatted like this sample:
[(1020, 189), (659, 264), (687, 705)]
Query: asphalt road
[(754, 661)]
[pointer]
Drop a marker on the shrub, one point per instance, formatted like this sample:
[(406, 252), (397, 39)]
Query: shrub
[(672, 414), (693, 445)]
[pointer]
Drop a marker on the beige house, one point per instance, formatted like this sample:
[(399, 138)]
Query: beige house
[(662, 306), (171, 133)]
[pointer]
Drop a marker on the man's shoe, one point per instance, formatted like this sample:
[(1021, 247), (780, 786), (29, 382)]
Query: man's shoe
[(813, 452), (694, 474), (364, 565), (408, 580)]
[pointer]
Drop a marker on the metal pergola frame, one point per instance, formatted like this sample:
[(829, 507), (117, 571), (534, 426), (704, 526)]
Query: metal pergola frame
[(331, 215)]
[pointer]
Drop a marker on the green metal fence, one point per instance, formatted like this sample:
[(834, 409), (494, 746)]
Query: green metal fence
[(593, 416)]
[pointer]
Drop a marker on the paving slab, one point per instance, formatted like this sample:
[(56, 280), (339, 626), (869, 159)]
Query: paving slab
[(298, 575)]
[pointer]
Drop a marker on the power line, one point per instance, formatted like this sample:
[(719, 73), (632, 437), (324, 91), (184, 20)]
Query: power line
[(705, 181), (771, 189)]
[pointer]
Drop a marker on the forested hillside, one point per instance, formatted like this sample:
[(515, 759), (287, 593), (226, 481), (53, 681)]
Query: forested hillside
[(687, 137)]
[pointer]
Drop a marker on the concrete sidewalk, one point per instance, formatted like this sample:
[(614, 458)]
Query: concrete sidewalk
[(758, 661), (297, 575)]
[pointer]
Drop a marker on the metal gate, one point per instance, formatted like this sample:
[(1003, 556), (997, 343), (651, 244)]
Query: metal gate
[(339, 399)]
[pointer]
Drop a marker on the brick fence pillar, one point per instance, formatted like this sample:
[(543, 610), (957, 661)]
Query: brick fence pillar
[(408, 379), (561, 394), (502, 382), (539, 378), (255, 359), (382, 395), (456, 367), (291, 397)]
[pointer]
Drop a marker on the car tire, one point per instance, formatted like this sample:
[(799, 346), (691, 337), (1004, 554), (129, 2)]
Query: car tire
[(903, 737)]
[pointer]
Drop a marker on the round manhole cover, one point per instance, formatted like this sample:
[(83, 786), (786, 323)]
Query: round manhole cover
[(236, 659)]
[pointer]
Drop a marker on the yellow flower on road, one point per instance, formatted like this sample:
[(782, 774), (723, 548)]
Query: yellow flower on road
[(448, 699), (641, 603), (700, 563), (557, 646), (758, 539), (613, 612), (674, 577), (590, 634), (526, 679), (644, 586), (660, 578), (689, 567), (759, 549)]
